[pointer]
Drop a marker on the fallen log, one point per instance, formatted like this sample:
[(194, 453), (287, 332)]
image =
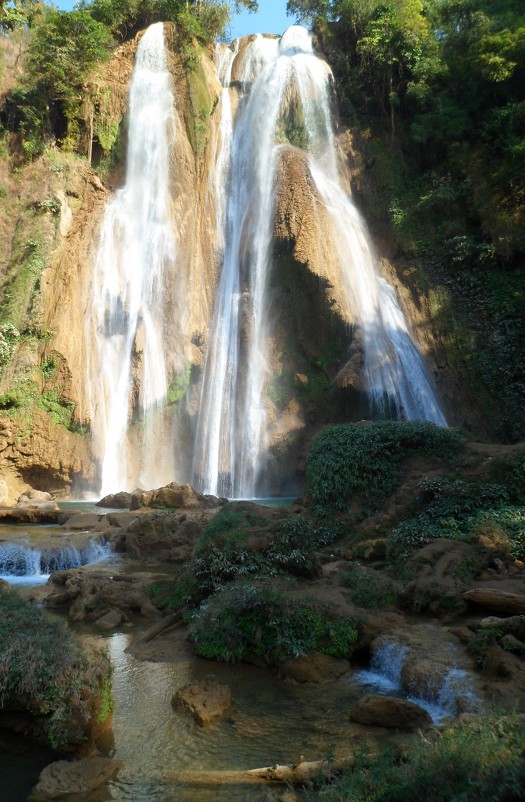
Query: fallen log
[(297, 774), (495, 599)]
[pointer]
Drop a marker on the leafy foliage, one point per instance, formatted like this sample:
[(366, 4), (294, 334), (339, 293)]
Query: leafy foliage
[(481, 758), (368, 589), (358, 464), (42, 668), (462, 511), (251, 619)]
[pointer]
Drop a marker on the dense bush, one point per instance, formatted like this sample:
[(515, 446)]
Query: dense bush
[(358, 463), (368, 588), (462, 511), (250, 619), (43, 669), (480, 759)]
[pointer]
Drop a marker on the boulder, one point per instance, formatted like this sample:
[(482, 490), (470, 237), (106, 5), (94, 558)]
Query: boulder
[(495, 599), (32, 496), (87, 521), (207, 701), (71, 780), (314, 667), (387, 711), (160, 536), (515, 625), (109, 620), (92, 596), (173, 496), (116, 501)]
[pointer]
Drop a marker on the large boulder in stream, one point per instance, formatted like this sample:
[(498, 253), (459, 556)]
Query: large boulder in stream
[(374, 710), (173, 497), (73, 780), (116, 501), (207, 701)]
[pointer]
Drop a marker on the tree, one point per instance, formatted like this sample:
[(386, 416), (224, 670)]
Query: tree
[(18, 13)]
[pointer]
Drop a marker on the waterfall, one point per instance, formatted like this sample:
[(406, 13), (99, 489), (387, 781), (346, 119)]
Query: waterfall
[(126, 325), (220, 466), (231, 441), (139, 296)]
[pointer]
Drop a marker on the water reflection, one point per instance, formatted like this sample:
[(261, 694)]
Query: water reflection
[(269, 722)]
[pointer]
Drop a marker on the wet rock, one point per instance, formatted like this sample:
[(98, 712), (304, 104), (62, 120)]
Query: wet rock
[(314, 667), (73, 780), (91, 596), (515, 625), (110, 620), (174, 497), (512, 644), (423, 677), (207, 701), (160, 536), (387, 711), (88, 521), (32, 515), (118, 501), (495, 599)]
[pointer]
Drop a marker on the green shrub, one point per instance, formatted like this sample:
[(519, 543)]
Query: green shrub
[(250, 619), (358, 463), (42, 668), (230, 518), (480, 759), (460, 510), (173, 594), (368, 589), (9, 336)]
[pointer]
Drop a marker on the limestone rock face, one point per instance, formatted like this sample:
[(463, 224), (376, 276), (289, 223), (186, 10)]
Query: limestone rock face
[(93, 596), (207, 701), (72, 780), (387, 711), (160, 536), (47, 457)]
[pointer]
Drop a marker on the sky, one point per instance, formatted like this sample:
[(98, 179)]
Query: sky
[(271, 18)]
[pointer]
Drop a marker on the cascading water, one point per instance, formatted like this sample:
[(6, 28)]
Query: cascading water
[(440, 694), (23, 564), (231, 440), (126, 329), (220, 466)]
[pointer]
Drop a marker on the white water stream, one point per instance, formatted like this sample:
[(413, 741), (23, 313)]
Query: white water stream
[(126, 322), (231, 442), (23, 563)]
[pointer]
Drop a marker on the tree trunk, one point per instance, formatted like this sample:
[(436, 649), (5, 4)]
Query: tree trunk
[(297, 774)]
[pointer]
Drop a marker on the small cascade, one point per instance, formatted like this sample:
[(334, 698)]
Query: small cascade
[(127, 340), (441, 694), (23, 564)]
